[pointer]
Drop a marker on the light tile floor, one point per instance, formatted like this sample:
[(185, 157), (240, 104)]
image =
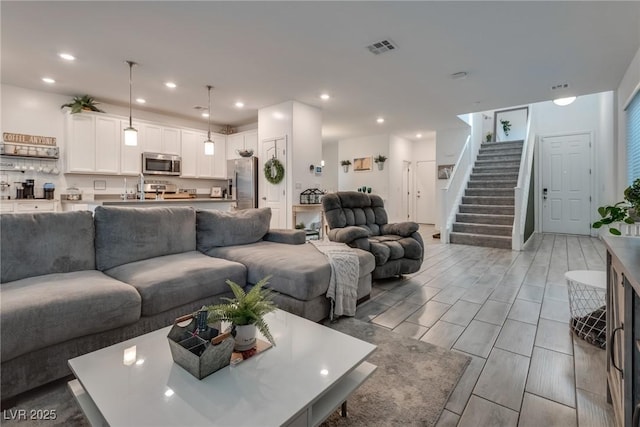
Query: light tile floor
[(509, 311)]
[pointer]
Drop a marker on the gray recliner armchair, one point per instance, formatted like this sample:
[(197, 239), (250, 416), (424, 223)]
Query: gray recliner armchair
[(360, 221)]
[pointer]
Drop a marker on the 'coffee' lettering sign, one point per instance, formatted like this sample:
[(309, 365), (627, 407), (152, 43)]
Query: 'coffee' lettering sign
[(28, 139)]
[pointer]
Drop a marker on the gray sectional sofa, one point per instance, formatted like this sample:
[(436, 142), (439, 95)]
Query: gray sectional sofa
[(71, 283)]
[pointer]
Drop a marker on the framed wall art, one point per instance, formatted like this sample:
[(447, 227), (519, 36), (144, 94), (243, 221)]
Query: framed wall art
[(361, 164), (445, 171)]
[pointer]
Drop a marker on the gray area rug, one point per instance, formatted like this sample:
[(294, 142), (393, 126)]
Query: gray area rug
[(410, 387)]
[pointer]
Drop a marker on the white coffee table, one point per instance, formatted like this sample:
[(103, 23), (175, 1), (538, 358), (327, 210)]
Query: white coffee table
[(300, 382)]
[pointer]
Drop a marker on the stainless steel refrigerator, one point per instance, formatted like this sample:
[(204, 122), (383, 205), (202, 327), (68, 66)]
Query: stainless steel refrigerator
[(242, 174)]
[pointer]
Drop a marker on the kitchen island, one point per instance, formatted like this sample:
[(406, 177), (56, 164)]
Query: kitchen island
[(196, 203)]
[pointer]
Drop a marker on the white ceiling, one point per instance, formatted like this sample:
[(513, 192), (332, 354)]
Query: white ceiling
[(265, 53)]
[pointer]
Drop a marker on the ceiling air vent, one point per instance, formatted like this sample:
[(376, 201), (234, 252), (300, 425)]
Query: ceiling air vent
[(382, 46), (199, 107), (560, 86)]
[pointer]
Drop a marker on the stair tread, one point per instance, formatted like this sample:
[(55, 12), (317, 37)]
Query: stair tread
[(484, 206), (484, 236), (478, 224), (486, 215)]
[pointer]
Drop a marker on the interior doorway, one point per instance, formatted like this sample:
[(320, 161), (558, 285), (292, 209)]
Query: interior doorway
[(405, 208), (426, 192), (274, 196), (565, 183)]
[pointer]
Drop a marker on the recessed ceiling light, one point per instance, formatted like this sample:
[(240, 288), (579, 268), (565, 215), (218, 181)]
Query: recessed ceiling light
[(380, 120), (239, 104), (418, 135), (48, 80), (564, 101), (171, 85), (325, 96), (205, 114), (67, 56), (141, 100)]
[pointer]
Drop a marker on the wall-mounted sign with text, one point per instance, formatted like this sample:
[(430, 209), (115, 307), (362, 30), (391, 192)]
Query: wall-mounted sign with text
[(28, 139)]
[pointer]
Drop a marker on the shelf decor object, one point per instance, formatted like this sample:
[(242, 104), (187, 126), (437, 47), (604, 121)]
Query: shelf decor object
[(273, 171), (130, 133), (209, 146)]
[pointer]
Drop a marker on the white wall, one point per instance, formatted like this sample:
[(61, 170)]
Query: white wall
[(332, 168), (425, 149), (593, 114), (449, 144), (38, 113), (306, 148), (629, 85), (348, 149)]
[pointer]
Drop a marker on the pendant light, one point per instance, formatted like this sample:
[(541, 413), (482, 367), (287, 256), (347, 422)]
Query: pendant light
[(209, 146), (130, 133)]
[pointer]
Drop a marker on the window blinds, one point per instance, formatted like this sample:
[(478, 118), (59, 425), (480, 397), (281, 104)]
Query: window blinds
[(633, 139)]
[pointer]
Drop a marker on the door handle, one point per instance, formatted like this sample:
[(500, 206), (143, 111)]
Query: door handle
[(264, 198), (610, 346)]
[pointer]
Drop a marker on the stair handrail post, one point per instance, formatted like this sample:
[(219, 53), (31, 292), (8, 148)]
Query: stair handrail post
[(521, 191), (451, 194)]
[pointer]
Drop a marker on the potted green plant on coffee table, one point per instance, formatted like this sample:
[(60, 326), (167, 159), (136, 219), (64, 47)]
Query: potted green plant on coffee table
[(246, 313)]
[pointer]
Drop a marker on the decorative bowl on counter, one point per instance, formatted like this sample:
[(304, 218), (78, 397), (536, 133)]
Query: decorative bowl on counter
[(245, 153)]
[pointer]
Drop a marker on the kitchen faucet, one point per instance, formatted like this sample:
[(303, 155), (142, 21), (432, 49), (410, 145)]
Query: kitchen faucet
[(141, 187)]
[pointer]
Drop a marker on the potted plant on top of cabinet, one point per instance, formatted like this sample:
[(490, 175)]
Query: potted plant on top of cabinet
[(80, 103)]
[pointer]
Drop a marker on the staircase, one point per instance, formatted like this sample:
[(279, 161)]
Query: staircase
[(485, 215)]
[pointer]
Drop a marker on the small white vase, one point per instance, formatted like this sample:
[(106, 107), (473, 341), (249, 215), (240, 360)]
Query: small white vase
[(380, 166), (245, 337)]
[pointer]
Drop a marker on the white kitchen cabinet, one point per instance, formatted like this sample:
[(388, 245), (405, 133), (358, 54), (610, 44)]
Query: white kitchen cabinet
[(151, 138), (81, 143), (107, 143), (241, 141), (171, 140), (220, 158), (192, 146), (27, 206), (93, 144), (130, 156), (160, 139), (195, 164)]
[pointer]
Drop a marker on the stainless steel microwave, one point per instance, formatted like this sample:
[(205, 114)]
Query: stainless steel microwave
[(161, 164)]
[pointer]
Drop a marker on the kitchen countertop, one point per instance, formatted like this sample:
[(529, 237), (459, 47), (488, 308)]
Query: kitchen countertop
[(107, 201), (627, 250)]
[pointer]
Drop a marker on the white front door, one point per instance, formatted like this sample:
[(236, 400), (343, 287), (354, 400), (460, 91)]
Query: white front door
[(274, 196), (566, 184), (426, 192)]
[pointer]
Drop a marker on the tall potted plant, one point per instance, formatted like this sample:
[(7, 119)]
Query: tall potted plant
[(627, 211), (246, 313)]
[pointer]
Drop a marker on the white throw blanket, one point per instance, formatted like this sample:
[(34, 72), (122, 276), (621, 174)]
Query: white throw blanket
[(345, 270)]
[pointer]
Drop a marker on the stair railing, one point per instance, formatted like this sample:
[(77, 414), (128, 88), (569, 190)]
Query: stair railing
[(521, 191), (451, 194)]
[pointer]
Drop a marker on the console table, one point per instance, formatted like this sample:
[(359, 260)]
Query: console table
[(623, 328), (314, 208)]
